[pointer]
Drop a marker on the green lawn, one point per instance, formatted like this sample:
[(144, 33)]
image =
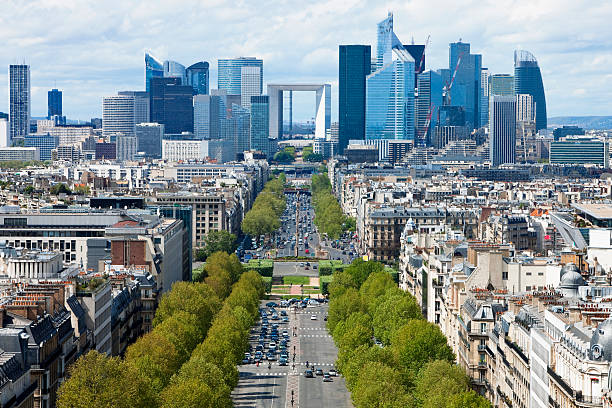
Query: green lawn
[(296, 280)]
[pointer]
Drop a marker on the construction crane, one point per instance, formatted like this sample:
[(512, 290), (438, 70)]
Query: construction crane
[(423, 132), (422, 61), (446, 98)]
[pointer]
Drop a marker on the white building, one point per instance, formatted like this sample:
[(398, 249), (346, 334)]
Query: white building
[(19, 154), (186, 150), (118, 115), (250, 84), (127, 147)]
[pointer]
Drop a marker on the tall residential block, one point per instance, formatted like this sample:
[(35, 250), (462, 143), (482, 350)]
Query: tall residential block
[(54, 103), (502, 129), (354, 67), (260, 123), (528, 80), (198, 77), (230, 73), (117, 116), (19, 101)]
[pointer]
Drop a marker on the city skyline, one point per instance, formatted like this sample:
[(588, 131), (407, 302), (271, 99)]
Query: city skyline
[(97, 57)]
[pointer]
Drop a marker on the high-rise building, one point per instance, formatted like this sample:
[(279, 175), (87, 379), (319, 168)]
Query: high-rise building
[(206, 116), (153, 69), (260, 124), (44, 142), (171, 104), (250, 84), (19, 101), (54, 103), (126, 147), (149, 139), (484, 97), (198, 77), (501, 84), (390, 99), (580, 150), (354, 67), (230, 73), (528, 80), (117, 116), (428, 103), (524, 108), (386, 41), (466, 87), (141, 105), (173, 69), (502, 129), (236, 129)]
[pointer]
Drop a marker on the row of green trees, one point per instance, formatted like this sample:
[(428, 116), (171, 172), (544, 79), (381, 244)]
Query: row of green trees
[(264, 215), (185, 316), (329, 217), (309, 155), (216, 241), (287, 155), (414, 367)]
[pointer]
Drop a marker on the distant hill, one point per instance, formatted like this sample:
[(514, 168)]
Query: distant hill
[(585, 122)]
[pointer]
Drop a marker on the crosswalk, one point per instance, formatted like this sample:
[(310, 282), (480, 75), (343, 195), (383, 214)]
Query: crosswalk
[(313, 328), (270, 374), (315, 335)]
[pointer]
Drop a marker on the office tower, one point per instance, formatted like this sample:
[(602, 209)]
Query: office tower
[(501, 84), (386, 41), (173, 69), (524, 108), (126, 147), (260, 124), (466, 87), (502, 129), (44, 142), (428, 103), (250, 84), (171, 104), (19, 101), (230, 73), (153, 69), (198, 77), (54, 103), (236, 130), (484, 97), (580, 150), (390, 99), (528, 80), (141, 105), (354, 67), (117, 116), (149, 139), (207, 111)]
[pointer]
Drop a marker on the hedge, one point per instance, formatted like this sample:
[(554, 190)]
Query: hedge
[(262, 266)]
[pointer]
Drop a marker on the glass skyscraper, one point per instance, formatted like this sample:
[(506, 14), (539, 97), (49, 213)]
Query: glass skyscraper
[(198, 77), (173, 69), (501, 84), (153, 69), (230, 73), (386, 41), (54, 103), (354, 67), (528, 80), (250, 84), (260, 124), (19, 101), (466, 88), (502, 129), (390, 99), (171, 104), (428, 102)]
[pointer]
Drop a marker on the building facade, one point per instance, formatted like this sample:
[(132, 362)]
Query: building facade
[(19, 101), (502, 129), (229, 73), (528, 80), (117, 116)]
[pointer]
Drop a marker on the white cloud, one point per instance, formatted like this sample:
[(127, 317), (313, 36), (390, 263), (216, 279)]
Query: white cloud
[(91, 49)]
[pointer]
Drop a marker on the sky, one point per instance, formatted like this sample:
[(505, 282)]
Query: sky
[(91, 49)]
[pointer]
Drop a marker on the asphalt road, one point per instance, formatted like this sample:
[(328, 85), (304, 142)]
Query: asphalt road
[(260, 386), (294, 269)]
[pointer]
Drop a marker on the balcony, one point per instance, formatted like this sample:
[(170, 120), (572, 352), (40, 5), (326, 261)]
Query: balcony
[(482, 364), (482, 347)]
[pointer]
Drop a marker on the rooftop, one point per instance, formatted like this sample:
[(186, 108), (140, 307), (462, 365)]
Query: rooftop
[(599, 211)]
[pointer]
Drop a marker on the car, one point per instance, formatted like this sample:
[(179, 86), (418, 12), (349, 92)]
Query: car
[(308, 374), (282, 361), (307, 251), (271, 357), (333, 372), (319, 371), (285, 319), (271, 304), (314, 266), (285, 333), (327, 378)]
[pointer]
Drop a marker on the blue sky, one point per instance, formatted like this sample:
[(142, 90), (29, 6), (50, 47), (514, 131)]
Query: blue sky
[(90, 49)]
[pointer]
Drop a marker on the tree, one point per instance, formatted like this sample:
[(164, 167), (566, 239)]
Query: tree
[(469, 399), (59, 188), (350, 362), (439, 382), (417, 343), (29, 190), (182, 330), (199, 255), (360, 270), (340, 283), (219, 241), (378, 385), (342, 307), (394, 312), (99, 381)]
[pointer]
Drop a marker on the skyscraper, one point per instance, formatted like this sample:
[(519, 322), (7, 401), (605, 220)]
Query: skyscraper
[(502, 129), (230, 73), (528, 80), (141, 105), (428, 103), (501, 84), (171, 104), (149, 139), (260, 124), (206, 116), (153, 69), (173, 69), (524, 108), (484, 97), (19, 101), (250, 84), (117, 116), (386, 41), (54, 103), (354, 67), (236, 130), (198, 77), (466, 87), (390, 99)]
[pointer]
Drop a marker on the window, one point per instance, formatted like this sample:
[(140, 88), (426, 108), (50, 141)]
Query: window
[(483, 328), (505, 275)]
